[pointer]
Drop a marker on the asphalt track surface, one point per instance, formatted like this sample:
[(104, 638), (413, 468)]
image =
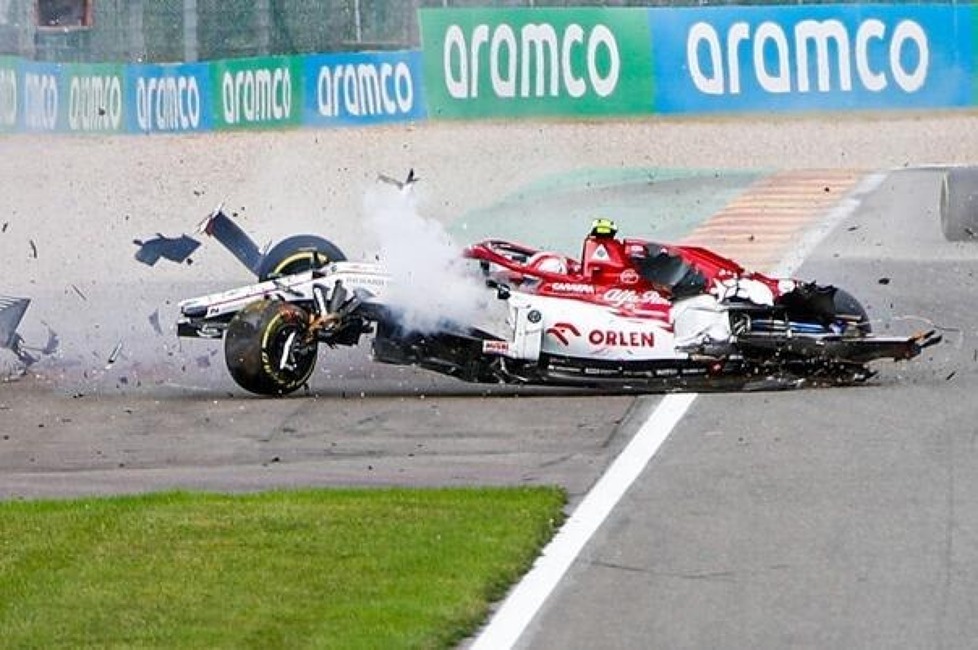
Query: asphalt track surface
[(833, 518), (816, 518)]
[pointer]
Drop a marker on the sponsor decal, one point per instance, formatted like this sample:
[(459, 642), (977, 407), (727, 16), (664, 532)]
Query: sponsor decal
[(364, 89), (560, 331), (256, 95), (809, 57), (8, 97), (544, 61), (532, 60), (600, 254), (572, 287), (714, 61), (40, 101), (368, 281), (95, 102), (495, 347), (623, 297), (621, 338), (629, 276), (168, 103)]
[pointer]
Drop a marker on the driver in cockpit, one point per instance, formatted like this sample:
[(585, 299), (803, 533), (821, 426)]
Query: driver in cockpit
[(605, 255)]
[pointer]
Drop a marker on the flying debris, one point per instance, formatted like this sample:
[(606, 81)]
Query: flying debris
[(11, 312), (219, 226), (154, 322), (401, 185), (114, 356), (53, 344)]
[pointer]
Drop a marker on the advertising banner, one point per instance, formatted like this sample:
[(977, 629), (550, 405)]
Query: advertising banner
[(9, 93), (92, 98), (168, 98), (361, 88), (514, 62), (812, 57), (257, 93), (41, 98)]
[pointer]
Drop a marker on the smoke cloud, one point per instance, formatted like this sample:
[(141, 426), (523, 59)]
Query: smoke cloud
[(432, 284)]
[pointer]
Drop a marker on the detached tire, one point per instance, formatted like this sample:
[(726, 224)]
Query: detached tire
[(296, 254), (959, 204), (263, 348)]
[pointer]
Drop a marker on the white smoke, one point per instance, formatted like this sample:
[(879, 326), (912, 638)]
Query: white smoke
[(432, 284)]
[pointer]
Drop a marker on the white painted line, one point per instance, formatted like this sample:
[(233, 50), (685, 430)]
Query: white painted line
[(525, 600), (528, 597)]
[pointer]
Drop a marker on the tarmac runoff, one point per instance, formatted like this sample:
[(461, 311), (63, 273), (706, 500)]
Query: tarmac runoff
[(812, 221)]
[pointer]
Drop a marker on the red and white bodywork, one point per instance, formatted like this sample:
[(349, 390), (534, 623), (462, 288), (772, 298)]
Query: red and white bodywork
[(627, 313), (610, 304)]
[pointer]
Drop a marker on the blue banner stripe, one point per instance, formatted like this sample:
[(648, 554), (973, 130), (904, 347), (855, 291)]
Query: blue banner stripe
[(363, 88), (820, 57)]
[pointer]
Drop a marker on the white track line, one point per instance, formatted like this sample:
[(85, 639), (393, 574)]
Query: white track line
[(525, 600)]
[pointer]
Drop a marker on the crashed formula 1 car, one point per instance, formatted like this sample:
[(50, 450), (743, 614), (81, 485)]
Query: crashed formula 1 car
[(629, 314)]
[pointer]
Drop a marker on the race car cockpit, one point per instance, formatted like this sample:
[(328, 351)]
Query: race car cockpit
[(604, 257)]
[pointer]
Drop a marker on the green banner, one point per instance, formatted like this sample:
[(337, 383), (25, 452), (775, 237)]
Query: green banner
[(512, 62), (9, 93), (257, 93), (92, 98)]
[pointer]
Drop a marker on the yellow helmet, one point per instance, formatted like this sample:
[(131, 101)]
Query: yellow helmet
[(603, 228)]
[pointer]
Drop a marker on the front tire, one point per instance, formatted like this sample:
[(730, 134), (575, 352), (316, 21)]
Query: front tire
[(959, 204), (266, 350)]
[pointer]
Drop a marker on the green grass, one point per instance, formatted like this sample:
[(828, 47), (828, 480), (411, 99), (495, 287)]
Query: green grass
[(296, 569)]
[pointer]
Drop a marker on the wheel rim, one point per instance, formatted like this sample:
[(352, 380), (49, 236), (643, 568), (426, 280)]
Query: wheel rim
[(302, 261), (283, 348)]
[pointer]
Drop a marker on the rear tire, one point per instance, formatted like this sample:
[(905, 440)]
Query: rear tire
[(846, 304), (959, 204), (264, 348), (296, 254)]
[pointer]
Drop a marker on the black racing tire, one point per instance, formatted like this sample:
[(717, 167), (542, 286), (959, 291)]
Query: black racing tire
[(254, 345), (846, 303), (959, 204), (296, 254)]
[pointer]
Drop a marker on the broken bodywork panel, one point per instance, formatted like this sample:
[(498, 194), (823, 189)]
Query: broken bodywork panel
[(12, 311)]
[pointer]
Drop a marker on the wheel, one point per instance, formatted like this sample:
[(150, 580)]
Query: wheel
[(959, 204), (265, 350), (845, 303), (296, 254)]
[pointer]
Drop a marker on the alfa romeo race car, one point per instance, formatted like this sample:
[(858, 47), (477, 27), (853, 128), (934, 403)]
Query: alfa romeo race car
[(628, 314)]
